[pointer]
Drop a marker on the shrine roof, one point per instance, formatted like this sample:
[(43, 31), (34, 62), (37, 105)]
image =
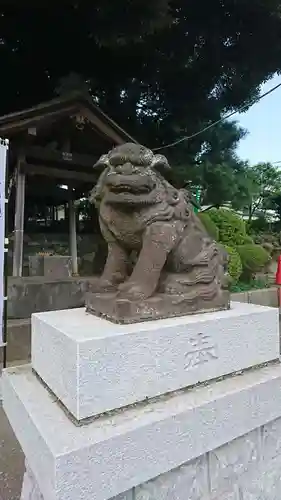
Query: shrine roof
[(75, 102)]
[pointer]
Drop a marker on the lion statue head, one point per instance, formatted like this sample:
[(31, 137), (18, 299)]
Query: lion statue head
[(132, 176)]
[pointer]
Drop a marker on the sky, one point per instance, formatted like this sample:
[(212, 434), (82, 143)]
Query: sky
[(263, 122)]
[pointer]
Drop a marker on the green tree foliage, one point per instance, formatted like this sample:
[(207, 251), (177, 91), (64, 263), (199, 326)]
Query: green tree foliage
[(264, 180), (221, 170), (216, 169), (232, 230), (162, 69), (258, 225), (274, 203)]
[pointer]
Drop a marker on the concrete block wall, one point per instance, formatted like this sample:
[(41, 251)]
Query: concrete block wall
[(248, 468), (265, 297)]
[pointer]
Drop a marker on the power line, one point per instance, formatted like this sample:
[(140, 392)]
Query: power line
[(187, 137)]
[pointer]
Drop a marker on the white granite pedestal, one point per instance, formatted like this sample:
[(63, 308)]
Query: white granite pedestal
[(217, 440), (30, 488), (93, 365)]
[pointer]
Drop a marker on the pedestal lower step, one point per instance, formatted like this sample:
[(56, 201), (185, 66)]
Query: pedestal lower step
[(94, 366), (115, 453)]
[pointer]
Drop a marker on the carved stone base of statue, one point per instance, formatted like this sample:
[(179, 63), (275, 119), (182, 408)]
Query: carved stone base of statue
[(93, 365), (109, 306)]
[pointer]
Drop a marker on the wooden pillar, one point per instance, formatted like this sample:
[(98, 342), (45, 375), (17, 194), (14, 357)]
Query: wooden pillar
[(72, 232), (19, 222), (53, 214)]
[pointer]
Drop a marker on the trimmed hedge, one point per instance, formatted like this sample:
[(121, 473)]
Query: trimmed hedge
[(254, 258), (232, 228), (248, 240), (209, 225), (268, 247), (234, 264)]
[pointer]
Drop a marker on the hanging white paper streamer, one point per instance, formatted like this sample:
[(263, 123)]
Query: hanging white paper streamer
[(3, 155)]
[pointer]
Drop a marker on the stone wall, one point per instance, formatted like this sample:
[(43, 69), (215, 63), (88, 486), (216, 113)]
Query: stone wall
[(248, 468)]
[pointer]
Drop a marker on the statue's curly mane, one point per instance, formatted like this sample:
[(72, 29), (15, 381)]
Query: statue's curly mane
[(133, 153), (172, 203)]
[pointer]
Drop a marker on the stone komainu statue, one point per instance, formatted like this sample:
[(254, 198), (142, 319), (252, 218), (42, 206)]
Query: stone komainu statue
[(179, 269)]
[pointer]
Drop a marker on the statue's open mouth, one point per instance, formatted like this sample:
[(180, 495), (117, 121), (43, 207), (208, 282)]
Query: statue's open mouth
[(123, 188), (135, 185)]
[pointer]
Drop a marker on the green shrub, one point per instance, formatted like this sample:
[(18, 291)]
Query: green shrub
[(234, 264), (256, 284), (209, 225), (232, 229), (248, 240), (268, 247), (254, 258)]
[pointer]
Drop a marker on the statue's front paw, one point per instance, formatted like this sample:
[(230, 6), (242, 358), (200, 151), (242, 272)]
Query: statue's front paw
[(102, 285), (133, 291), (107, 283)]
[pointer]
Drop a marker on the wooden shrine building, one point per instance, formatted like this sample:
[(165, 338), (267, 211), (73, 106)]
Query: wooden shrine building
[(56, 142)]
